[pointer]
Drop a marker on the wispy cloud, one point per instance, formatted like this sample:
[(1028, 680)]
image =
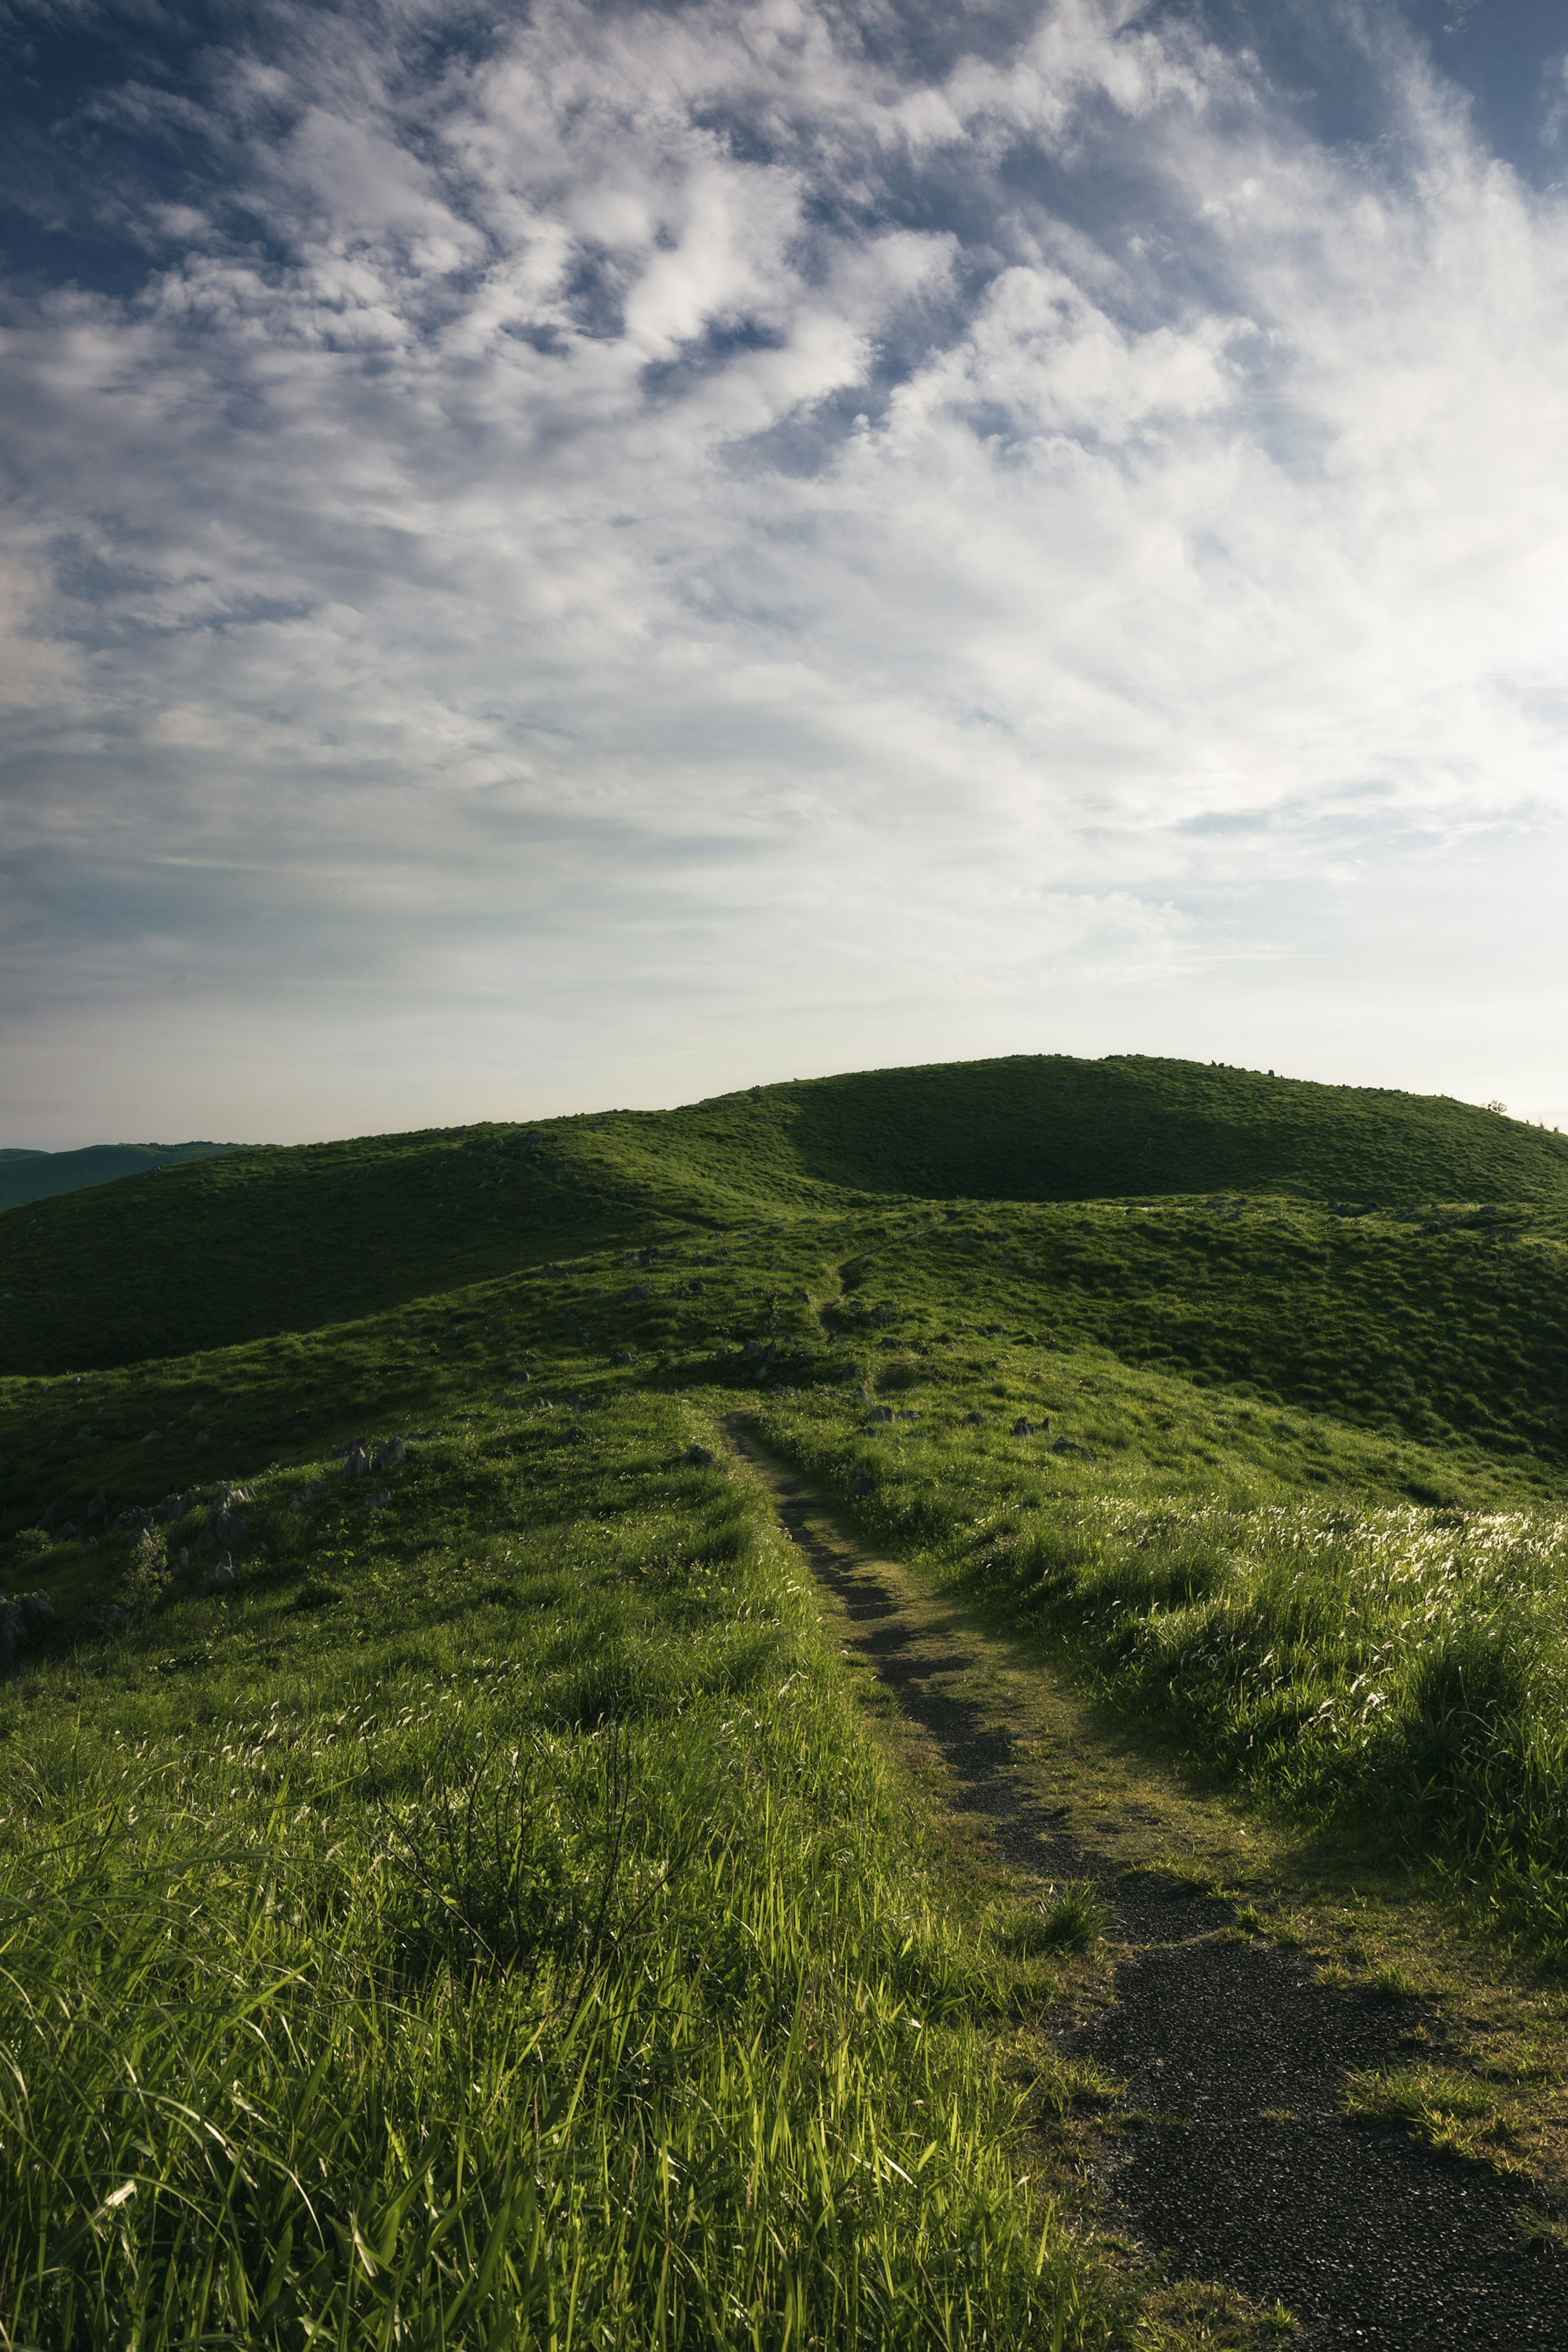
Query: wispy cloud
[(728, 539)]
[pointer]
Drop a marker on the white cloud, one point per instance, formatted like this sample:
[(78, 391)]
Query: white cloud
[(676, 521)]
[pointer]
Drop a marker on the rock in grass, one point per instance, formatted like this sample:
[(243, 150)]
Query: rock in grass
[(1025, 1427), (699, 1458), (98, 1505), (879, 1412), (395, 1450), (220, 1575), (356, 1461), (862, 1489), (153, 1437), (64, 1534), (37, 1608), (974, 1420)]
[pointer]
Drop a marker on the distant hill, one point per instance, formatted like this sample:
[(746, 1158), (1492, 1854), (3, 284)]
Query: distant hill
[(38, 1175), (244, 1241), (1049, 1128)]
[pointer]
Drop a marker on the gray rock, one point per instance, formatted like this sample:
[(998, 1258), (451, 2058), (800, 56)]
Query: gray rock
[(382, 1494), (182, 1558), (974, 1420), (395, 1450), (861, 1489), (219, 1577), (622, 1356), (98, 1505), (64, 1534), (699, 1458), (357, 1461), (880, 1412), (135, 1521), (50, 1519), (37, 1608), (13, 1631), (1023, 1426), (207, 1539)]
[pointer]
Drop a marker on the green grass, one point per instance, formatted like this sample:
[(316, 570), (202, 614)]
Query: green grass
[(258, 1240), (493, 1914)]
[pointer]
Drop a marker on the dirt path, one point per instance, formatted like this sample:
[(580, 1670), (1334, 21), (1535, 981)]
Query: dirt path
[(1247, 2171)]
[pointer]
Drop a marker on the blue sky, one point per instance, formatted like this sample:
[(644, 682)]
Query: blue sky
[(593, 554)]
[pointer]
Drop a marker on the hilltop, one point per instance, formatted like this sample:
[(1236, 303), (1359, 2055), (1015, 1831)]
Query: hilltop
[(248, 1242)]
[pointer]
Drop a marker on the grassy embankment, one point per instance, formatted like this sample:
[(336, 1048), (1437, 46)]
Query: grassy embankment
[(327, 2000)]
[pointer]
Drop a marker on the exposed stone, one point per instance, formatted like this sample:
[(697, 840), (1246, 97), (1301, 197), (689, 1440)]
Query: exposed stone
[(621, 1356), (37, 1608), (1025, 1427), (880, 1412), (357, 1461), (98, 1505), (862, 1488), (395, 1451), (220, 1575), (135, 1521), (973, 1419), (64, 1534), (701, 1458), (153, 1437)]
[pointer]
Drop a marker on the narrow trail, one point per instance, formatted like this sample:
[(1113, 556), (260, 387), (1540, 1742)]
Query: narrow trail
[(1247, 2173)]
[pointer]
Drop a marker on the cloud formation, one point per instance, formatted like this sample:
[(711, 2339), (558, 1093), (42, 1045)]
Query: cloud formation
[(645, 547)]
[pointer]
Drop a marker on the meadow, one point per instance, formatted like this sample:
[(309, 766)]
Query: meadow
[(482, 1912)]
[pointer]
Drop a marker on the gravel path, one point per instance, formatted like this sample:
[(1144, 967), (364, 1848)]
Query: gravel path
[(1249, 2173)]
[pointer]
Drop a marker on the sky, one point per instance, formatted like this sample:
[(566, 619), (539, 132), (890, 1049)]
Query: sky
[(576, 556)]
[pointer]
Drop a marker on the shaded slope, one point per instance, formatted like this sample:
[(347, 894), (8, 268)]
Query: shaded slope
[(40, 1175), (1452, 1331), (1041, 1127), (257, 1242)]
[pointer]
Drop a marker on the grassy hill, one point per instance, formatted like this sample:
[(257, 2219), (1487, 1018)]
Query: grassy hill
[(39, 1175), (265, 1240), (500, 1847)]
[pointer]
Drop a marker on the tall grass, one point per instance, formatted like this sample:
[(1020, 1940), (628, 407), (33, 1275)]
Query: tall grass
[(567, 1974), (1399, 1667)]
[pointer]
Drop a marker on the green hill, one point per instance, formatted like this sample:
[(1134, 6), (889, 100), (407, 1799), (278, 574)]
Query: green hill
[(235, 1247), (461, 1815), (39, 1175)]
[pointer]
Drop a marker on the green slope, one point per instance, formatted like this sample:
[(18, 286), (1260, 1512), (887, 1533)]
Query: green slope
[(265, 1240), (39, 1175), (1282, 1473), (1046, 1128)]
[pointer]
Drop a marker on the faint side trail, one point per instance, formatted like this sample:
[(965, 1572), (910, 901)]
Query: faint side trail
[(1249, 2173)]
